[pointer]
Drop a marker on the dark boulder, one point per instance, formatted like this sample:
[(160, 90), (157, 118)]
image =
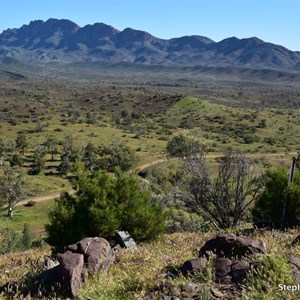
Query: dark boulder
[(239, 269), (222, 268), (295, 263), (88, 255), (70, 271), (97, 253), (193, 266), (229, 245)]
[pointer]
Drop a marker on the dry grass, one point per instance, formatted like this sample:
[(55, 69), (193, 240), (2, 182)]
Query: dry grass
[(138, 271)]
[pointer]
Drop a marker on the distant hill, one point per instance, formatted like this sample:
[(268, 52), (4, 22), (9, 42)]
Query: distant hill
[(64, 41)]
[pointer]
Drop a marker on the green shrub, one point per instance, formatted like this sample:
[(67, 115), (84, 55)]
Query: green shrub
[(16, 160), (279, 203), (102, 205), (117, 154), (26, 238), (11, 241), (180, 220)]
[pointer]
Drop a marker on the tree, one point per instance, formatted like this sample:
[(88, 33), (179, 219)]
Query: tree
[(26, 237), (89, 156), (117, 154), (279, 203), (184, 145), (2, 151), (262, 123), (16, 160), (103, 204), (39, 160), (21, 143), (11, 188), (51, 145), (70, 155), (221, 198)]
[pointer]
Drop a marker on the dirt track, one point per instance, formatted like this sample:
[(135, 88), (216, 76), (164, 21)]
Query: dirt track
[(43, 198), (141, 168)]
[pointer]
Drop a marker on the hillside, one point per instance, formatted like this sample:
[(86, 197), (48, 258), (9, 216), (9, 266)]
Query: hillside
[(98, 97), (147, 272)]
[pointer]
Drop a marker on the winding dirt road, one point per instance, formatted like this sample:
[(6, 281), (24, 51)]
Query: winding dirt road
[(43, 198), (141, 168)]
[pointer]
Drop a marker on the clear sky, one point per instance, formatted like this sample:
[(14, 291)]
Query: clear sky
[(275, 21)]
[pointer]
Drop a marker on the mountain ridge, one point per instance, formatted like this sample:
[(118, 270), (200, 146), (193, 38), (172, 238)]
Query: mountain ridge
[(62, 40)]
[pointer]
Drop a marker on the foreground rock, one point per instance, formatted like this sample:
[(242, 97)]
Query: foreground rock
[(90, 255), (96, 251), (193, 266), (230, 266), (70, 271), (295, 266), (230, 245)]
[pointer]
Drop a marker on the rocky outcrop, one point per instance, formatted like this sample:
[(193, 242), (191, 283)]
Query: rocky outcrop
[(96, 251), (230, 264), (229, 245), (70, 272), (90, 255)]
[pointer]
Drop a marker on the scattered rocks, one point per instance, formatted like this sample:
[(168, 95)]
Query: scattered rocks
[(193, 266), (190, 290), (246, 232), (296, 241), (186, 291), (282, 235), (50, 263), (170, 298), (239, 269), (295, 262), (222, 269), (230, 265), (125, 240), (217, 293)]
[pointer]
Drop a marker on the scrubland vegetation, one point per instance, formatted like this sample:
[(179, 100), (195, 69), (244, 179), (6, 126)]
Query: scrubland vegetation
[(91, 140)]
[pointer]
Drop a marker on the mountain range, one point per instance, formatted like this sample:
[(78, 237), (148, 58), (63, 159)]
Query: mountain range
[(64, 41)]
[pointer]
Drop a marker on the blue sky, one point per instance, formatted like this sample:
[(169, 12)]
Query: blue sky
[(275, 21)]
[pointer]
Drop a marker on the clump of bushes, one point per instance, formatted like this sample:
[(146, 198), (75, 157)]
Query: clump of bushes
[(102, 205), (279, 203), (13, 241)]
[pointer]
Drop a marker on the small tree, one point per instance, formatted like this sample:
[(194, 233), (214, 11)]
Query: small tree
[(39, 160), (11, 188), (222, 198), (117, 154), (184, 145), (2, 151), (70, 155), (103, 204), (89, 156), (26, 237), (51, 144), (279, 203), (16, 160), (21, 143)]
